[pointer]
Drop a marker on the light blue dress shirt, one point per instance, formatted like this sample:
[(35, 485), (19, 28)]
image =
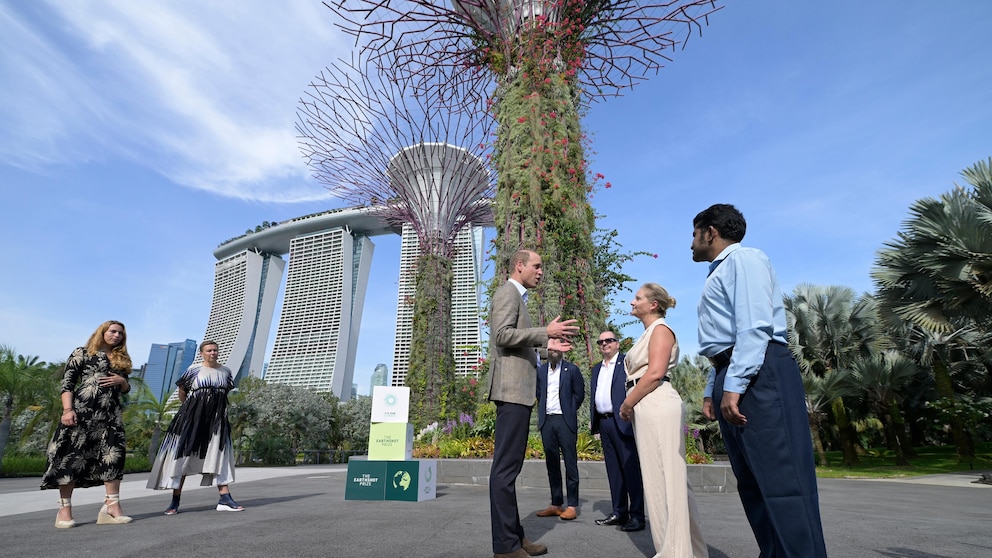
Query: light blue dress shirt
[(741, 307)]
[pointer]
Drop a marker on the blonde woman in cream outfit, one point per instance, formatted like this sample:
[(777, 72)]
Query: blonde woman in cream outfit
[(658, 415)]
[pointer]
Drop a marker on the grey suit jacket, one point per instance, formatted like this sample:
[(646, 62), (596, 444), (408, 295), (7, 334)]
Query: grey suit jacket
[(512, 340)]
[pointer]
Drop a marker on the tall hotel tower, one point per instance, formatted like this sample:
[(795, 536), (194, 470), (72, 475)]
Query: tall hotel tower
[(330, 254), (322, 311), (466, 293), (245, 287)]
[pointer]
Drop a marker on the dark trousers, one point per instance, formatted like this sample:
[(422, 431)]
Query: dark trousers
[(623, 470), (512, 425), (772, 457), (559, 442)]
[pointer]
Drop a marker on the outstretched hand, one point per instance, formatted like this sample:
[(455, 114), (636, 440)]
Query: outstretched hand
[(559, 329), (560, 345)]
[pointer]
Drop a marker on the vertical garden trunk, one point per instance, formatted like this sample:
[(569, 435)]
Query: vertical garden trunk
[(542, 196), (431, 374)]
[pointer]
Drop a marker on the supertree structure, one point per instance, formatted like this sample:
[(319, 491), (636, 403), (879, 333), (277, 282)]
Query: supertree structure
[(371, 141), (538, 63)]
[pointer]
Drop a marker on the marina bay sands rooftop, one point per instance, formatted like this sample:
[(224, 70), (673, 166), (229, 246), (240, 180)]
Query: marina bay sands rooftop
[(275, 240)]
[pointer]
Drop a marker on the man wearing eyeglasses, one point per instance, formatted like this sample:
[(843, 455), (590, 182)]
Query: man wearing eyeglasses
[(623, 469)]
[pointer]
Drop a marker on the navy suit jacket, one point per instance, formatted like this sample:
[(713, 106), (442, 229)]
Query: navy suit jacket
[(617, 394), (571, 393)]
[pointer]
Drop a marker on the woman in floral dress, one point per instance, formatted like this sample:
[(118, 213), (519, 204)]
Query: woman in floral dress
[(199, 438), (88, 446)]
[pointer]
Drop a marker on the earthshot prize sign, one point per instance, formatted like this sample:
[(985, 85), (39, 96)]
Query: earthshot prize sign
[(391, 473)]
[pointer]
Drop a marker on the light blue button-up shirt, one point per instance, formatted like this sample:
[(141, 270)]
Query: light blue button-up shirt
[(741, 307)]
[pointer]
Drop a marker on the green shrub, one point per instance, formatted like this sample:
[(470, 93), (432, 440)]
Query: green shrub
[(24, 465)]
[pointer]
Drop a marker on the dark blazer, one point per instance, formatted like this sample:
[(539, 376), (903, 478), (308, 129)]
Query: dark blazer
[(571, 393), (617, 394), (512, 341)]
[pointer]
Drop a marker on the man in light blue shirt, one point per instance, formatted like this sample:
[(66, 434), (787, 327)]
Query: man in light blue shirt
[(755, 389)]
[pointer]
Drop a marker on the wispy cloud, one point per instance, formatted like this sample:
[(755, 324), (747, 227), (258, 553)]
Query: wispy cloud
[(206, 94)]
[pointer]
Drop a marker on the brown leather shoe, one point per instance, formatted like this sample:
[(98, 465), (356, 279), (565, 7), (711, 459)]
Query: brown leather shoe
[(533, 548), (550, 511), (569, 514), (518, 553)]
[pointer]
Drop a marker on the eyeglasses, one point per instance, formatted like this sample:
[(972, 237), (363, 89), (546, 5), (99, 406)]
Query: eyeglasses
[(605, 341)]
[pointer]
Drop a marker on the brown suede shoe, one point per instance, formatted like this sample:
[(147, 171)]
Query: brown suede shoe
[(550, 511), (533, 548), (518, 553), (569, 514)]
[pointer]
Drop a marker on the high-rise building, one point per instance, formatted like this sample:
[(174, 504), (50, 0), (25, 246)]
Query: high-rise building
[(329, 259), (166, 363), (246, 284), (466, 293), (380, 377), (330, 256), (317, 338)]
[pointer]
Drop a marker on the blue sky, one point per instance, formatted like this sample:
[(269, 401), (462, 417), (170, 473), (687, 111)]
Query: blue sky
[(135, 137)]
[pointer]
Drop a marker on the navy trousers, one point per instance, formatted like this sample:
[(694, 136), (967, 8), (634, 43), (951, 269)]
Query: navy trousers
[(560, 442), (772, 457), (510, 449), (623, 470)]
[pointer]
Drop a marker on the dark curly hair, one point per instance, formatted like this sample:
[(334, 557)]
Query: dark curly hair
[(723, 217)]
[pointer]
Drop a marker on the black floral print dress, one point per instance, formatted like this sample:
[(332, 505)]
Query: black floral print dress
[(91, 452)]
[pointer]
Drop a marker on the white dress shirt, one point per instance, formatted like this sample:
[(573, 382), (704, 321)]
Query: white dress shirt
[(554, 390), (604, 386)]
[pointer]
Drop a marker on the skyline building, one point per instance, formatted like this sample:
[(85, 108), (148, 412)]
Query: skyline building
[(321, 316), (380, 377), (329, 260), (166, 363), (466, 293), (246, 285)]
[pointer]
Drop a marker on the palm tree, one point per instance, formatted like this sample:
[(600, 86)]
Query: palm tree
[(19, 383), (828, 329), (955, 362), (882, 377), (689, 380), (46, 403), (147, 414), (936, 278), (822, 394)]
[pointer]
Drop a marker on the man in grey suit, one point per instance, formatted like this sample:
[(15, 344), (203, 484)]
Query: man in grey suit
[(513, 345), (561, 389)]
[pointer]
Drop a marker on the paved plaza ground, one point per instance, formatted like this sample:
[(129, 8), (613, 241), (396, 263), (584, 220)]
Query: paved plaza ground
[(301, 512)]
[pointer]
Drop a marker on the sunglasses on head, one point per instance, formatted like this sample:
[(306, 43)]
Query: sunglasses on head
[(605, 341)]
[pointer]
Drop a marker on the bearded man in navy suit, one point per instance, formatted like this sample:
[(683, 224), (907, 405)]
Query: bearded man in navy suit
[(623, 469), (561, 389)]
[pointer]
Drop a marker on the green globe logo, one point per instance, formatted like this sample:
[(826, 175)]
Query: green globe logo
[(390, 400), (401, 480)]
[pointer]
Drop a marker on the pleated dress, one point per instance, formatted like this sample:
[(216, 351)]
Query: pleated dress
[(198, 441)]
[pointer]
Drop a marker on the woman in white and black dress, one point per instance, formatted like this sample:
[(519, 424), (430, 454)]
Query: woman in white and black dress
[(198, 441)]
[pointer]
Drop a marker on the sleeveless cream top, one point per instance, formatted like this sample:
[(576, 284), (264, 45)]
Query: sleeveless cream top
[(636, 361)]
